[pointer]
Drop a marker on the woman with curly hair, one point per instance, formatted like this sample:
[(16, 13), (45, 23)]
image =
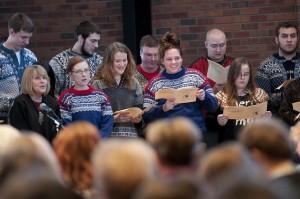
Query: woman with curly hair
[(178, 76), (73, 147), (115, 78)]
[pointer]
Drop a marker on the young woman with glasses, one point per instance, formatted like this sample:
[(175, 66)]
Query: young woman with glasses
[(83, 102)]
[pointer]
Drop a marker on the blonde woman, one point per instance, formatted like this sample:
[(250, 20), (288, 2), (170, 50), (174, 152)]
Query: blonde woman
[(25, 113)]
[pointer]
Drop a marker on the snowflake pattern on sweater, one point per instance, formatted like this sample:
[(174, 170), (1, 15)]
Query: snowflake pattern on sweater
[(11, 73), (185, 78), (91, 105), (59, 66)]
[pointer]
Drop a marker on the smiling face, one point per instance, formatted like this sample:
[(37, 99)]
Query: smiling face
[(120, 64), (243, 78), (172, 61), (81, 75), (39, 84)]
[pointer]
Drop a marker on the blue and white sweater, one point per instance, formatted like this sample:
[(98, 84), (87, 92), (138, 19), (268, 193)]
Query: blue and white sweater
[(11, 73), (185, 78), (91, 105), (271, 73)]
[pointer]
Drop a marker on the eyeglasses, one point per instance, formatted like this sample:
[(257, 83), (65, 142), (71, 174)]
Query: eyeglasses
[(81, 71), (244, 75)]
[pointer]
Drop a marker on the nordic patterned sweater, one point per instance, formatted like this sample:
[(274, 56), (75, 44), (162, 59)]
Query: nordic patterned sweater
[(11, 73), (91, 105), (59, 66), (272, 72), (187, 77)]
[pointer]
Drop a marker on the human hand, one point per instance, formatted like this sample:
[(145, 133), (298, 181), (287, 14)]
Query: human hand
[(137, 119), (200, 94), (222, 120), (267, 114), (218, 87), (169, 105), (122, 118)]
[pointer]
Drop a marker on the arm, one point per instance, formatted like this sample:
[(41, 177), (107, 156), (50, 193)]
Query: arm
[(289, 96), (210, 102), (18, 117), (107, 120), (65, 110)]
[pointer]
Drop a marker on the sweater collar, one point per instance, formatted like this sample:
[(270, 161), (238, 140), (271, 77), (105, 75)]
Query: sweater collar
[(81, 92), (176, 75)]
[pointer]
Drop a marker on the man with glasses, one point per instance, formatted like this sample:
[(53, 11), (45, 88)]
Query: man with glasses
[(149, 67), (215, 44), (88, 36), (281, 66)]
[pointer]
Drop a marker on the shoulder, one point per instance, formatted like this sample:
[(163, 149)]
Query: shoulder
[(64, 55), (199, 61)]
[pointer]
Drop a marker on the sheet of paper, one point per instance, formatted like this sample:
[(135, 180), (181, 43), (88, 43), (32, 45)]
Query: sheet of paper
[(284, 84), (133, 111), (182, 95), (217, 72), (296, 106), (243, 112)]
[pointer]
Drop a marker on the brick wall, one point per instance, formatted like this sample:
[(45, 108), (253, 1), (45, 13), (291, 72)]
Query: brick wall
[(248, 24), (55, 21)]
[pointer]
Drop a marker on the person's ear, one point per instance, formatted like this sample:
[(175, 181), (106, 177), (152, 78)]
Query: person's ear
[(205, 43), (80, 39), (11, 32), (276, 40)]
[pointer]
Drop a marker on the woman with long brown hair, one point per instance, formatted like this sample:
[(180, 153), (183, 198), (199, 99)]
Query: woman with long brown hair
[(115, 78), (240, 90)]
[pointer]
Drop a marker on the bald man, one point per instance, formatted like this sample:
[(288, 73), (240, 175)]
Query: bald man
[(215, 44)]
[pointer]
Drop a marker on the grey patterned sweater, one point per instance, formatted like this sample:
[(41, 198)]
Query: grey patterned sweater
[(59, 65), (121, 98)]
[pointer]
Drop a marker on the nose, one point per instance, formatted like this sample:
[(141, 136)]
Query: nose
[(27, 41)]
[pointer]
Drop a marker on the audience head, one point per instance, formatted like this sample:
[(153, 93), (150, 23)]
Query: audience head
[(170, 51), (226, 164), (216, 44), (121, 165), (180, 187), (32, 78), (268, 140), (174, 140), (29, 153), (25, 187), (117, 61), (7, 134), (149, 51), (286, 38), (20, 29), (240, 77), (73, 146), (295, 136), (88, 35), (247, 190)]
